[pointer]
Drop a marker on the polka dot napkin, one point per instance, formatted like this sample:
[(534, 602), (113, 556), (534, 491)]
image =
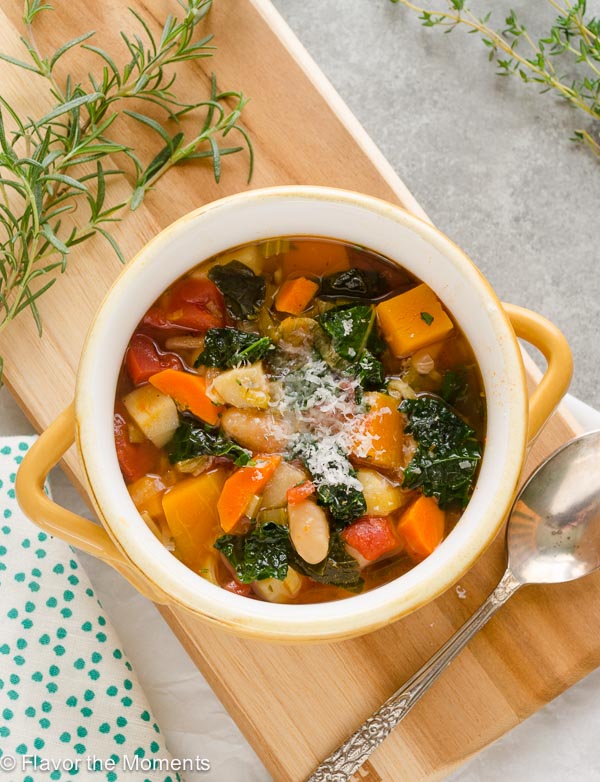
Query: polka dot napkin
[(70, 705)]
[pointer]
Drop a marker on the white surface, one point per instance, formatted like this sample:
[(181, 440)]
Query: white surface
[(558, 744), (190, 716)]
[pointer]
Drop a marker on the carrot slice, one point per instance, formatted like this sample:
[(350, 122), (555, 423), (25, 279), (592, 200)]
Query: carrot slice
[(294, 296), (298, 493), (189, 391), (240, 487), (421, 527)]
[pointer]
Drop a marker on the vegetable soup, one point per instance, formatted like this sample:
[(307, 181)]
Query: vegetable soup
[(299, 420)]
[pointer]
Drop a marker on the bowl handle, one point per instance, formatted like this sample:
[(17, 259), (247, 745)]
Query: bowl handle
[(60, 522), (548, 339)]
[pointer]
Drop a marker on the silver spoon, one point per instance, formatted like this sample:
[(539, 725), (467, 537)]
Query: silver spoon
[(553, 536)]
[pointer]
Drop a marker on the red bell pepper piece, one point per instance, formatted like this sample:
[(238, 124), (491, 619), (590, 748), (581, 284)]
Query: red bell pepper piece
[(298, 493), (371, 536), (144, 359), (135, 459)]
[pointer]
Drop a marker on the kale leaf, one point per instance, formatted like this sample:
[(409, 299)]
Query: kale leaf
[(262, 553), (447, 476), (375, 343), (345, 503), (354, 284), (338, 569), (447, 454), (369, 371), (433, 424), (194, 439), (267, 552), (349, 329), (231, 347), (338, 489), (243, 290), (454, 385), (353, 337)]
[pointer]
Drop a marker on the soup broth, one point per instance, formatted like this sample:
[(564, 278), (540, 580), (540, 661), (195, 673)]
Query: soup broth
[(299, 420)]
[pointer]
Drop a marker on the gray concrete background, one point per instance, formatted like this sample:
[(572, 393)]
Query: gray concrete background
[(488, 158)]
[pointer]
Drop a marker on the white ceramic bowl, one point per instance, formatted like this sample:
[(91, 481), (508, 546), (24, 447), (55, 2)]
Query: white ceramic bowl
[(251, 216)]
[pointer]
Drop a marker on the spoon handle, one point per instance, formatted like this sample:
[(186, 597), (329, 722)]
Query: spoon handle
[(349, 756)]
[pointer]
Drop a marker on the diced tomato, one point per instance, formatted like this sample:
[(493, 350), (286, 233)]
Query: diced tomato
[(192, 304), (196, 303), (155, 320), (298, 493), (245, 590), (371, 536), (135, 459), (143, 359)]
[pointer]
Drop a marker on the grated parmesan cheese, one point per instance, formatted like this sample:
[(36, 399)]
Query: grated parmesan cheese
[(318, 401)]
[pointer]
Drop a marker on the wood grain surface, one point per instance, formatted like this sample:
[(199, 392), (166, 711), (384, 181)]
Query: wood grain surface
[(295, 704)]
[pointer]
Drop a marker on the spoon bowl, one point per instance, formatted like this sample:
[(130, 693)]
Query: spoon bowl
[(553, 534)]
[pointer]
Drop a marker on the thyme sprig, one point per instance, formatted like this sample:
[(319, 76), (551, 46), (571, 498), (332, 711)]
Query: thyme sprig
[(50, 166), (572, 44)]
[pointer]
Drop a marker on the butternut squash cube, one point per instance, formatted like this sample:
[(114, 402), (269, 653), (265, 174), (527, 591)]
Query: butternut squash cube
[(379, 435), (190, 508), (413, 320), (309, 256)]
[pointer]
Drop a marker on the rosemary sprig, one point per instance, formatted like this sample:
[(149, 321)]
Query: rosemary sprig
[(48, 166), (572, 44)]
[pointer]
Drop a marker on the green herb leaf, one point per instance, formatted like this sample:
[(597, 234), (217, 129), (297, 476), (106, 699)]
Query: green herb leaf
[(42, 158), (574, 38), (231, 347), (244, 291), (70, 105), (425, 316)]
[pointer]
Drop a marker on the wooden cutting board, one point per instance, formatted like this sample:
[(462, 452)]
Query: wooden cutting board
[(295, 704)]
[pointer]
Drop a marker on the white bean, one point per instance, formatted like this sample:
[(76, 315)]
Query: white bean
[(260, 432), (309, 531)]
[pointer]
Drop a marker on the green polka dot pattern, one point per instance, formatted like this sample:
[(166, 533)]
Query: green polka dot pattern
[(61, 666)]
